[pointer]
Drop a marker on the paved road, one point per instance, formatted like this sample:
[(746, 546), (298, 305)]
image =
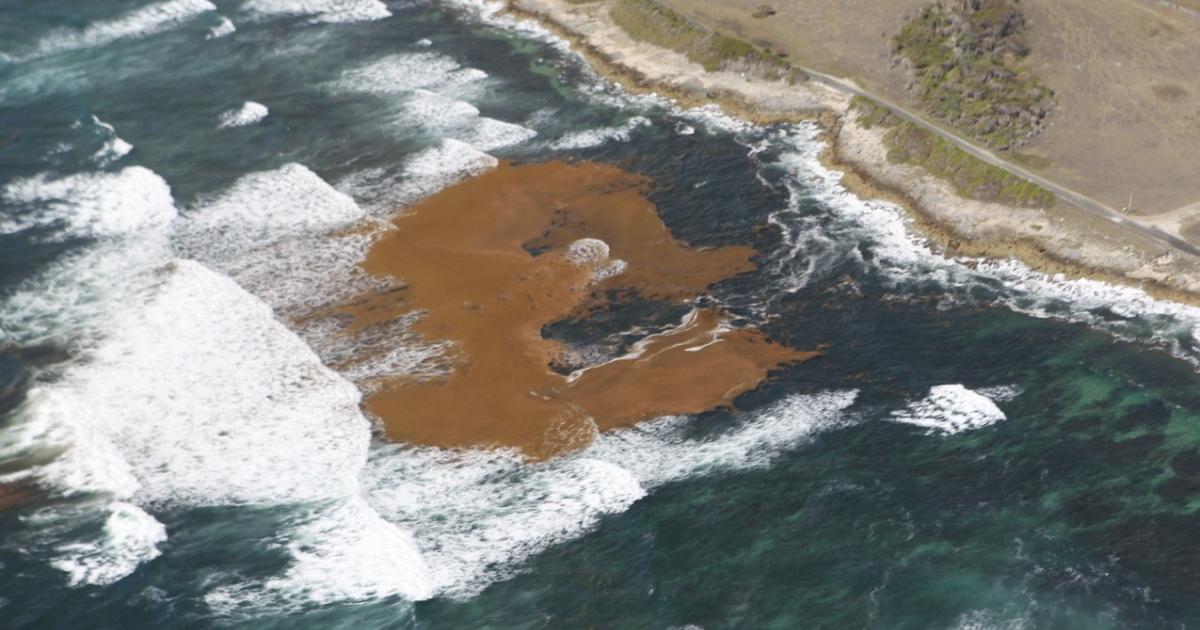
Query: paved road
[(1074, 197)]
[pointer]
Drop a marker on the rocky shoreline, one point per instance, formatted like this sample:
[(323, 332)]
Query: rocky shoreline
[(1062, 239)]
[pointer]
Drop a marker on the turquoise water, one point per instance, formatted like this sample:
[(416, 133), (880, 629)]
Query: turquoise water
[(980, 447)]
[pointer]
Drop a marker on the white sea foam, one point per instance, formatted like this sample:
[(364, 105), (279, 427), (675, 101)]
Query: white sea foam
[(1001, 393), (327, 11), (593, 254), (950, 409), (383, 190), (200, 397), (129, 538), (433, 84), (223, 27), (449, 117), (297, 276), (114, 148), (76, 294), (206, 394), (173, 389), (341, 553), (87, 462), (248, 114), (84, 287), (89, 205), (447, 163), (405, 72), (275, 233), (477, 515), (262, 209), (589, 138), (992, 620), (386, 349), (907, 262), (141, 22)]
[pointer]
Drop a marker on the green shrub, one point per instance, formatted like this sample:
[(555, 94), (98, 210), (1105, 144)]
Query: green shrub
[(970, 176), (966, 64), (872, 114)]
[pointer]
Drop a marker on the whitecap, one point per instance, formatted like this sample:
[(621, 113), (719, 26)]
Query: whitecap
[(223, 27), (1002, 393), (324, 11), (129, 538), (249, 113), (201, 397), (590, 138), (950, 409), (141, 22), (477, 515), (113, 150), (450, 161), (89, 205), (405, 72), (262, 209), (424, 173), (462, 121), (343, 553), (80, 290)]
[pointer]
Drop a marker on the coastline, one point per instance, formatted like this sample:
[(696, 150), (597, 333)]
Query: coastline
[(1060, 240)]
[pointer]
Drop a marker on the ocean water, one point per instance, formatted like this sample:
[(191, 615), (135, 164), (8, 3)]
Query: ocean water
[(981, 446)]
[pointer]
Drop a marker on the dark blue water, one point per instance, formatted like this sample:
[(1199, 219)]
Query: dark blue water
[(980, 446)]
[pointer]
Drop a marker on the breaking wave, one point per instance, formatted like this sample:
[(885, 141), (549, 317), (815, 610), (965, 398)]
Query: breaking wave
[(950, 409), (141, 22), (248, 114), (478, 514), (321, 11), (876, 235)]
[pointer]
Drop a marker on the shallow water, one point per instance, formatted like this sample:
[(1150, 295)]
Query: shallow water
[(980, 446)]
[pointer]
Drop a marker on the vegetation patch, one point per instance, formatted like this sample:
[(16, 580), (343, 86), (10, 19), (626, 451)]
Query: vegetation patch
[(871, 114), (967, 64), (763, 11), (647, 21), (971, 177)]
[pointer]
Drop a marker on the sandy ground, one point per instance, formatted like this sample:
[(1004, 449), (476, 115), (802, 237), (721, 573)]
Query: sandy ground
[(1059, 240), (1126, 74)]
